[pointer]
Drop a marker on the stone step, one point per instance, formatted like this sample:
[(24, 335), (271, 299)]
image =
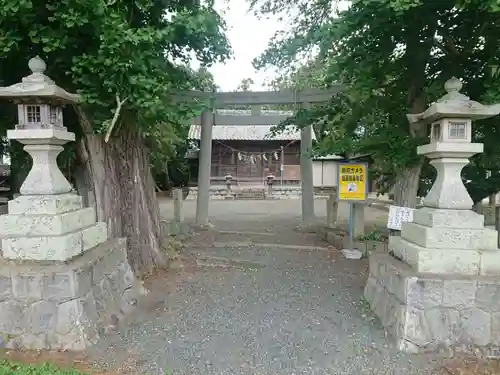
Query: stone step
[(251, 194), (250, 198)]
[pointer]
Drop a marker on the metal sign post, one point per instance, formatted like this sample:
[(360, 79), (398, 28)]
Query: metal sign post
[(351, 225), (352, 188)]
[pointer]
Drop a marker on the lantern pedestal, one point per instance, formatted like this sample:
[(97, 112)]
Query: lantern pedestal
[(449, 158), (43, 145), (62, 279), (437, 289)]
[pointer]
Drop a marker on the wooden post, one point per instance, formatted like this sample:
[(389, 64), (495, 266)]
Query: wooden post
[(497, 223), (332, 208), (178, 214)]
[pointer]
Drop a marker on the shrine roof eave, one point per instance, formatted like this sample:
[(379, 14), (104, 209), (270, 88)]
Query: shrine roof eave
[(248, 133)]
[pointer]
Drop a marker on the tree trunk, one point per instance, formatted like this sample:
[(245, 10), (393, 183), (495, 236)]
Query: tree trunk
[(82, 176), (406, 186), (419, 38), (124, 191)]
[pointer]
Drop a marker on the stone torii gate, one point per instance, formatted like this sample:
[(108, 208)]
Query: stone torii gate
[(303, 98)]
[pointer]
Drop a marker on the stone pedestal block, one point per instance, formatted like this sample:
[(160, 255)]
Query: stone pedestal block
[(45, 204), (445, 241), (49, 228), (431, 313), (65, 306), (450, 238), (439, 218), (446, 261)]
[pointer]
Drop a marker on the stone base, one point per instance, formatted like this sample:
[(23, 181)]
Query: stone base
[(446, 261), (440, 241), (435, 313), (65, 306), (49, 228)]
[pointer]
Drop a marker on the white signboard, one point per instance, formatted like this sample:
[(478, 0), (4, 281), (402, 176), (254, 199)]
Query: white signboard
[(399, 215)]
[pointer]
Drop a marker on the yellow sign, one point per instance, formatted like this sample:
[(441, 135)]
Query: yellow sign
[(353, 182)]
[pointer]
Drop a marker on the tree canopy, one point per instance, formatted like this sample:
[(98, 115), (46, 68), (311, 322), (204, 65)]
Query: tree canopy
[(130, 51), (394, 56)]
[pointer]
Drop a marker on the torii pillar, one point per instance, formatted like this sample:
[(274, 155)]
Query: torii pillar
[(306, 174), (205, 166)]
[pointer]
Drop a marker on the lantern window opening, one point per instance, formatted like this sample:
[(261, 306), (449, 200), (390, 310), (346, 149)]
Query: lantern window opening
[(33, 114), (53, 115), (457, 130), (436, 132)]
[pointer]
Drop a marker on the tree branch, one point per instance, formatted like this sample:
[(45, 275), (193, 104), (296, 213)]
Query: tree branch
[(119, 104)]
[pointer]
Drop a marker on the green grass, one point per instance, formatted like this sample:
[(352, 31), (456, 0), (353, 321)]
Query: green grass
[(8, 368)]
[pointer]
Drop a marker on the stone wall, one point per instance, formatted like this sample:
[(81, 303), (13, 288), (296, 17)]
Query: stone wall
[(215, 193), (219, 193), (429, 313), (65, 306)]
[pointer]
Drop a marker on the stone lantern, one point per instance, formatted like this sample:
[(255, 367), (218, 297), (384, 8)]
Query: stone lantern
[(270, 181), (450, 144), (61, 277), (434, 290), (229, 181), (40, 128)]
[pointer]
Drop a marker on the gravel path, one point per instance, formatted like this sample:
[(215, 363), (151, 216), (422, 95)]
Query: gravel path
[(288, 304), (274, 211)]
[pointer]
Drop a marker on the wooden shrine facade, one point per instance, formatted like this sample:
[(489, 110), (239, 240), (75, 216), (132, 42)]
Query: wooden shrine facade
[(252, 161), (250, 152)]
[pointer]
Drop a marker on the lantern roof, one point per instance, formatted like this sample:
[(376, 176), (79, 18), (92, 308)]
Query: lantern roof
[(38, 86), (454, 105)]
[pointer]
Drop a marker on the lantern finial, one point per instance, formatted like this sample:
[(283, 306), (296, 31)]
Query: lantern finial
[(453, 85), (37, 65)]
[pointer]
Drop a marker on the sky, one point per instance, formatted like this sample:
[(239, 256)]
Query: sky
[(249, 37)]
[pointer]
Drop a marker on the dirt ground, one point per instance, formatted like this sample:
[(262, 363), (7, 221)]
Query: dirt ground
[(81, 362), (65, 360)]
